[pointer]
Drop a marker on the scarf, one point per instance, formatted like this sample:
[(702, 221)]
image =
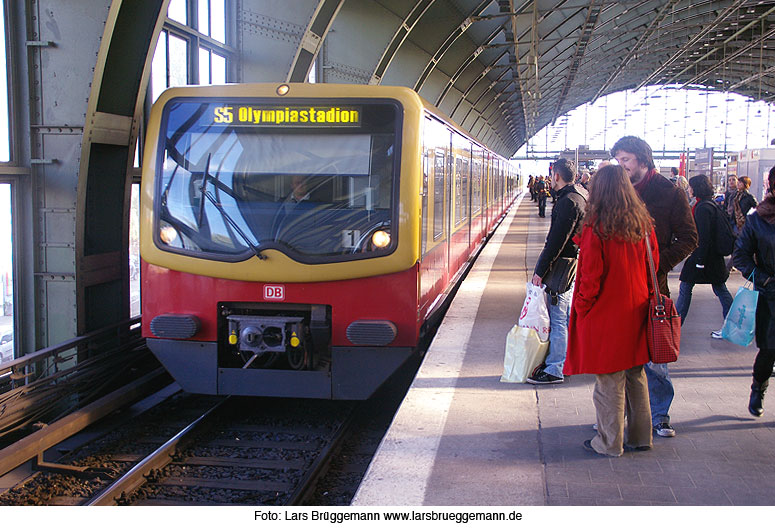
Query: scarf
[(640, 187)]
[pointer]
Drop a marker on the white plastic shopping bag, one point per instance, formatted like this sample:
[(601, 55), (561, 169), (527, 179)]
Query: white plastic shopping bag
[(535, 314), (524, 351)]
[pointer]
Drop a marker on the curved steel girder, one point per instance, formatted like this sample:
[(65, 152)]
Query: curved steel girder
[(313, 38), (279, 41), (468, 62), (400, 35), (453, 36), (107, 155)]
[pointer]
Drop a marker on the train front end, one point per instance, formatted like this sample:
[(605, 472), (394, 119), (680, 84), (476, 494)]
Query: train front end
[(279, 238)]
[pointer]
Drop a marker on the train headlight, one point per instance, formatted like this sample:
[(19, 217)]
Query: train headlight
[(380, 239), (282, 90), (168, 234)]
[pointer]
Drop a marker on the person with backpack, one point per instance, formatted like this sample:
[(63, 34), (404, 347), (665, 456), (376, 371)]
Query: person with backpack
[(706, 264), (542, 192)]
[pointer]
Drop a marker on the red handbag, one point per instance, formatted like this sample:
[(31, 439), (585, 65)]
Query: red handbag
[(663, 332)]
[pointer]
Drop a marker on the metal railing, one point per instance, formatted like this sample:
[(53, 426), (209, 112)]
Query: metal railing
[(43, 386)]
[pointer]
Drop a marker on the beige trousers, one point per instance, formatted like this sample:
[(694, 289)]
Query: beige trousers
[(616, 396)]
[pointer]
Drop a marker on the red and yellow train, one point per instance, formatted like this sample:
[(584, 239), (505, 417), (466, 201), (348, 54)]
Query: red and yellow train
[(296, 239)]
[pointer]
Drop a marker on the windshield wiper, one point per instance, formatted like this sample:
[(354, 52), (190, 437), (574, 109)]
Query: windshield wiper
[(222, 211)]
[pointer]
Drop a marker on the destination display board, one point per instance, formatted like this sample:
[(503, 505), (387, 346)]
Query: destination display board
[(297, 115)]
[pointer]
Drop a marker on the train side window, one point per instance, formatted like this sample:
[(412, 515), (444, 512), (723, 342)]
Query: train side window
[(462, 177), (425, 173), (476, 182), (439, 163)]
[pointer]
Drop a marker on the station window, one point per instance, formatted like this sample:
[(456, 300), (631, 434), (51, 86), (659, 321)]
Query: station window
[(5, 145), (177, 11), (6, 275), (212, 68), (170, 64), (192, 47), (212, 19)]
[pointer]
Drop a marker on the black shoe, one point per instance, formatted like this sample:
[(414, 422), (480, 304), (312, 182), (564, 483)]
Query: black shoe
[(756, 401), (637, 448), (542, 378)]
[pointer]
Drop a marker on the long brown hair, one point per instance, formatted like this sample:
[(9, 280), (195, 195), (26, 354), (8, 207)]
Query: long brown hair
[(614, 209)]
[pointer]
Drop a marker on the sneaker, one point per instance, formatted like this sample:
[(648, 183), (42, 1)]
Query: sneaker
[(716, 334), (594, 426), (542, 378), (664, 430)]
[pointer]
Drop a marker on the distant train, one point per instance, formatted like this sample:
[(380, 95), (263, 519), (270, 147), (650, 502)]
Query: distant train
[(296, 239)]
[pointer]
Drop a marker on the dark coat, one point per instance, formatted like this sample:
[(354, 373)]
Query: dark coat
[(755, 253), (567, 217), (747, 201), (673, 223), (607, 330), (715, 269)]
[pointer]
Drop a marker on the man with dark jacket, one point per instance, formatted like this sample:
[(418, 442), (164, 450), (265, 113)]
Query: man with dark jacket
[(729, 197), (542, 192), (677, 238), (556, 267)]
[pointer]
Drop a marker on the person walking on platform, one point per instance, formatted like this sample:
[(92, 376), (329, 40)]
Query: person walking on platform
[(542, 192), (755, 254), (729, 197), (742, 203), (610, 308), (556, 267), (705, 265), (530, 188), (677, 237)]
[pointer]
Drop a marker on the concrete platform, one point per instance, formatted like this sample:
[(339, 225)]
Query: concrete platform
[(462, 438)]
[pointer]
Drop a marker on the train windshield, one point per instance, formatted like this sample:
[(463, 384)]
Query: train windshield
[(315, 181)]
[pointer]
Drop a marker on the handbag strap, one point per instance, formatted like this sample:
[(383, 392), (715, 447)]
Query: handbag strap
[(657, 295), (751, 279)]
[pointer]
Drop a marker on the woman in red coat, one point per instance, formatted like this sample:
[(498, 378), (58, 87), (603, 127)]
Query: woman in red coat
[(607, 333)]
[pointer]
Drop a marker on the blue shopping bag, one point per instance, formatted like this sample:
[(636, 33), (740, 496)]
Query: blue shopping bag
[(740, 324)]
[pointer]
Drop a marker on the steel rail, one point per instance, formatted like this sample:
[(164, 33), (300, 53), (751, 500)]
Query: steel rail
[(137, 476), (320, 465)]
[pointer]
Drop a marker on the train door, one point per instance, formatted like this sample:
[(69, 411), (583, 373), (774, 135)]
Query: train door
[(478, 212), (461, 176), (434, 266), (492, 210)]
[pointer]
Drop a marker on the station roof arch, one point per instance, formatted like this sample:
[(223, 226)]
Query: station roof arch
[(504, 69)]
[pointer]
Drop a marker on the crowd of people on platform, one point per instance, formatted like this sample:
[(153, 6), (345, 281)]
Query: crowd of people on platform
[(604, 227)]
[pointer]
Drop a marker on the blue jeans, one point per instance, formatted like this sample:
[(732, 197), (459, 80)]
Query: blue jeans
[(559, 316), (685, 298), (660, 392)]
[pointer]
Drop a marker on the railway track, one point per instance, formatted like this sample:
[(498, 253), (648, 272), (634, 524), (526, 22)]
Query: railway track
[(236, 451), (229, 462)]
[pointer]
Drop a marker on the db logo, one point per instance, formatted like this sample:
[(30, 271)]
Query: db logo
[(274, 292)]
